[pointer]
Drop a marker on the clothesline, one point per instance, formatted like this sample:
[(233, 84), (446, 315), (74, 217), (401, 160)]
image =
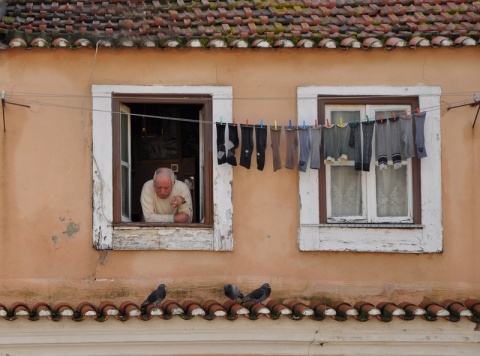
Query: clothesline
[(336, 140)]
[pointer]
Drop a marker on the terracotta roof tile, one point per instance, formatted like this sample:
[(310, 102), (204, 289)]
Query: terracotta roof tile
[(452, 310), (174, 21)]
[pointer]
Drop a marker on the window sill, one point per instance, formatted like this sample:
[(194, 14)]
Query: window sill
[(369, 226), (169, 238)]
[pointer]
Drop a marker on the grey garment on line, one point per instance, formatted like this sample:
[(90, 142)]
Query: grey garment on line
[(355, 143), (395, 143), (419, 134), (292, 144), (304, 142), (342, 143), (381, 139), (275, 134), (330, 148), (406, 134), (367, 130), (316, 144)]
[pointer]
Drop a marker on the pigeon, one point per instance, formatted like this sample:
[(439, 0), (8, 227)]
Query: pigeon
[(232, 292), (156, 297), (259, 294)]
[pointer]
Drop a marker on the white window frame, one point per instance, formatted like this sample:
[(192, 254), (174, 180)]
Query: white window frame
[(107, 236), (424, 238), (369, 201)]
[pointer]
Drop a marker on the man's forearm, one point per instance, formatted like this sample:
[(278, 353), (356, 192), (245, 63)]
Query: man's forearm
[(159, 218)]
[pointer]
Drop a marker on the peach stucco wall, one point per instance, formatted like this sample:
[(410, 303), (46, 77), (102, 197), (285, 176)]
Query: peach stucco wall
[(46, 248)]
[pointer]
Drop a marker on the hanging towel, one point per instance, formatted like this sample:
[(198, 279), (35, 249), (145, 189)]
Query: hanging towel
[(406, 134), (330, 148), (419, 134), (395, 143), (355, 143), (342, 143)]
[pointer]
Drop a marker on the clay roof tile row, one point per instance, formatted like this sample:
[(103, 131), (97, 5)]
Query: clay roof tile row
[(257, 22), (451, 310)]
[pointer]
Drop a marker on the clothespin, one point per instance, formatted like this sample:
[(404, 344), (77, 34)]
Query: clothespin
[(275, 124), (316, 123), (394, 116), (304, 126), (406, 114), (341, 121), (368, 120), (246, 123), (221, 119), (234, 124), (354, 120), (261, 123), (418, 111), (328, 123), (381, 118), (290, 124)]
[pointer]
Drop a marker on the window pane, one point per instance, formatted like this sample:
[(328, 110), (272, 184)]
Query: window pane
[(124, 136), (346, 191), (392, 192), (125, 192)]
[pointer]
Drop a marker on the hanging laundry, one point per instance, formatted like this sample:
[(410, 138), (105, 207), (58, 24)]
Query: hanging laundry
[(232, 144), (381, 139), (356, 143), (292, 144), (419, 134), (395, 143), (261, 141), (221, 154), (367, 130), (406, 135), (304, 141), (316, 142), (330, 148), (342, 142), (275, 134), (247, 146)]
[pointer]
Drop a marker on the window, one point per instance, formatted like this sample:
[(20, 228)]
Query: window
[(392, 207), (138, 129)]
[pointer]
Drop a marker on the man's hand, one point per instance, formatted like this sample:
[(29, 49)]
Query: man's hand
[(180, 217), (177, 201)]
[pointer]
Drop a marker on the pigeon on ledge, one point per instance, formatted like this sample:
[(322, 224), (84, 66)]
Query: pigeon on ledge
[(156, 297), (232, 292), (259, 294)]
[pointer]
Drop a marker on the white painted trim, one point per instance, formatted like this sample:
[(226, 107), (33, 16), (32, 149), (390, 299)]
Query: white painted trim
[(240, 337), (105, 236), (429, 239)]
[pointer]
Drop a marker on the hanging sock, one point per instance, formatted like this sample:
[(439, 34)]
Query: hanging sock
[(381, 138), (367, 130), (395, 143), (419, 134), (316, 142), (247, 146), (342, 143), (221, 154), (355, 143), (406, 134), (261, 140), (232, 144), (275, 134), (304, 139), (292, 144), (330, 144)]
